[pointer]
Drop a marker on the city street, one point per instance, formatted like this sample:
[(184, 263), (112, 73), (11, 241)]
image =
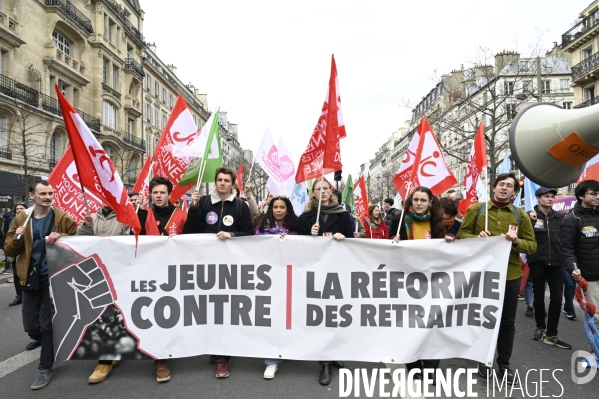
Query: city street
[(194, 377)]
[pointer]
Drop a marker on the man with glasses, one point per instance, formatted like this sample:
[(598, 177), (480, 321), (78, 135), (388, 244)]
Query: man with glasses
[(513, 224), (580, 239)]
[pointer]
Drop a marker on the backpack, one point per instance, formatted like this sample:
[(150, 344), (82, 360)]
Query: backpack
[(238, 206), (515, 210)]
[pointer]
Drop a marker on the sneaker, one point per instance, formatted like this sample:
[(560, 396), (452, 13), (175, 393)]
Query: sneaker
[(222, 371), (538, 334), (42, 379), (571, 314), (556, 342), (520, 297), (484, 371), (163, 373), (270, 372), (32, 345), (509, 374), (100, 374), (530, 312), (213, 359)]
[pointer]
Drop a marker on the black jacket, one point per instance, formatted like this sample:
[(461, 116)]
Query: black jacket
[(580, 241), (390, 213), (547, 230), (220, 216), (336, 223)]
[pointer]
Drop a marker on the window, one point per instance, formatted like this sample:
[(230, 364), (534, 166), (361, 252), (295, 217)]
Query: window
[(55, 147), (108, 115), (567, 105), (163, 99), (156, 89), (105, 71), (524, 66), (170, 100), (148, 113), (111, 32), (156, 120), (508, 88), (163, 121), (115, 78), (511, 111), (61, 43), (587, 52), (589, 93), (129, 126), (3, 132), (546, 86), (131, 170), (564, 85)]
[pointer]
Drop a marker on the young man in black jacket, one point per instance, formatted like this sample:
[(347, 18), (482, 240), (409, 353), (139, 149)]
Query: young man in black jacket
[(580, 239), (546, 265), (225, 215)]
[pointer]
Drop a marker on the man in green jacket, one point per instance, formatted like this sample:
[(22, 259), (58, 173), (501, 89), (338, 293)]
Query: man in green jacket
[(514, 224)]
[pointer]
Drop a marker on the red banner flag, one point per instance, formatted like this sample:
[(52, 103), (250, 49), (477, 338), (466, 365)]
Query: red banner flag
[(240, 180), (96, 170), (429, 168), (323, 150), (179, 132), (142, 184), (361, 199), (67, 189), (476, 162)]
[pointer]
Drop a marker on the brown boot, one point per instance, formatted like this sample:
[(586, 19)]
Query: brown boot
[(163, 373), (100, 374)]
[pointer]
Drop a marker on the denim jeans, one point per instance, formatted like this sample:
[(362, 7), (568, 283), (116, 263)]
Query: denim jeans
[(270, 362), (554, 276), (528, 294), (40, 328), (569, 286)]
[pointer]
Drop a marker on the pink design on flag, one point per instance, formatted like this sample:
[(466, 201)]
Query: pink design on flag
[(361, 199)]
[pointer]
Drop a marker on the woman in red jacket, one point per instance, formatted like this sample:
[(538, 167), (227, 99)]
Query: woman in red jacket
[(376, 227)]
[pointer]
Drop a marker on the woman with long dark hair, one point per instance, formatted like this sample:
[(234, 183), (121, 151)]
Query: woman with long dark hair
[(278, 220), (333, 221), (376, 227), (423, 219)]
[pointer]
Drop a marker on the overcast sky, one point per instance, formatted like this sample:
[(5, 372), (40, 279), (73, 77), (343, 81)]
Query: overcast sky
[(267, 63)]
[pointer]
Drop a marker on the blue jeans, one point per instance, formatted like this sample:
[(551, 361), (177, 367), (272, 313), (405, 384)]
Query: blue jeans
[(569, 286), (528, 295), (271, 362)]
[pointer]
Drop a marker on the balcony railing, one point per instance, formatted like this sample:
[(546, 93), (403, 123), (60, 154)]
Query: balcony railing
[(5, 153), (17, 90), (73, 13), (50, 104), (90, 121), (588, 103), (132, 65), (120, 12), (134, 141), (587, 65), (581, 27)]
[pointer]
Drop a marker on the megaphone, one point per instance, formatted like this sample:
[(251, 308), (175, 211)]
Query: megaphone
[(552, 145)]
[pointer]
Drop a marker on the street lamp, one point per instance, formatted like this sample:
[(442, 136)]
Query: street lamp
[(378, 179), (525, 93)]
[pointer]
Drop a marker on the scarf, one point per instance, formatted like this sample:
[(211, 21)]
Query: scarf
[(412, 216), (449, 222), (499, 204), (331, 209)]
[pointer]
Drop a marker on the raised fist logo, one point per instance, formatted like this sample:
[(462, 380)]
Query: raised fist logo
[(81, 293)]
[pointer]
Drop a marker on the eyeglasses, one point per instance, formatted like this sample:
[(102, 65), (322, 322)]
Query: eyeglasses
[(502, 184)]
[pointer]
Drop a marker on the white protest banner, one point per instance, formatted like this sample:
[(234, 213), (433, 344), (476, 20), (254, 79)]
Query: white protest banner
[(306, 298)]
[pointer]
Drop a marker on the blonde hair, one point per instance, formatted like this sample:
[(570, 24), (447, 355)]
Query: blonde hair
[(313, 203)]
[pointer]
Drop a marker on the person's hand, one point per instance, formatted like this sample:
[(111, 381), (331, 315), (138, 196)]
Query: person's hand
[(88, 221), (338, 236), (576, 275), (195, 197), (533, 215), (52, 238), (142, 204), (19, 233), (283, 235), (356, 235), (511, 236), (396, 238), (483, 234), (315, 228), (247, 189), (449, 238), (223, 235)]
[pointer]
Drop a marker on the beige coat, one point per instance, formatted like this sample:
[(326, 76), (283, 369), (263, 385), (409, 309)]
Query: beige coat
[(103, 226)]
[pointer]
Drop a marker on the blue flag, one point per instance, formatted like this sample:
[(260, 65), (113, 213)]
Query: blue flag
[(505, 165), (518, 200), (530, 199)]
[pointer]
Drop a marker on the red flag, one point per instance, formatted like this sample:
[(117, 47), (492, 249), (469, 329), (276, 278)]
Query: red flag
[(428, 168), (476, 162), (323, 150), (361, 199), (591, 171), (67, 189), (179, 132), (240, 181), (95, 167), (402, 176), (142, 184)]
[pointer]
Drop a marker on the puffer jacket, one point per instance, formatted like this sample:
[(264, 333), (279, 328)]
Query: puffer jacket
[(103, 226), (21, 249), (547, 230), (580, 241)]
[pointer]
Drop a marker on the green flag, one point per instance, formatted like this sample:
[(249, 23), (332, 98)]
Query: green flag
[(211, 152), (348, 194)]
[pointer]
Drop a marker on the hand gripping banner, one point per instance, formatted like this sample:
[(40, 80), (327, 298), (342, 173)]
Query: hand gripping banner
[(304, 298)]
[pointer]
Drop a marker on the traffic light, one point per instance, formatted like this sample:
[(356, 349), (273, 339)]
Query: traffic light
[(338, 175)]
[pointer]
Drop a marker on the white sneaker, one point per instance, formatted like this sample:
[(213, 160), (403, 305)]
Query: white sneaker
[(270, 372)]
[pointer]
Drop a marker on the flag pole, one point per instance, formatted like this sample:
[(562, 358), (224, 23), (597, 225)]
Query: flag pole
[(320, 197), (487, 201), (400, 219)]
